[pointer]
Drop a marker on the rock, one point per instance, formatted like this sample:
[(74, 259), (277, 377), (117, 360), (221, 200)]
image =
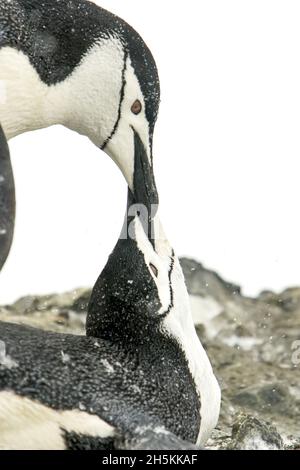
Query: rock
[(249, 433), (56, 312), (250, 342), (288, 300), (203, 282)]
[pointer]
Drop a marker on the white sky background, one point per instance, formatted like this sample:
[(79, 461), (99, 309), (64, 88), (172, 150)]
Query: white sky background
[(227, 153)]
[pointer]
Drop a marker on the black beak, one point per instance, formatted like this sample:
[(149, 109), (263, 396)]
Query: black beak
[(7, 200), (144, 187)]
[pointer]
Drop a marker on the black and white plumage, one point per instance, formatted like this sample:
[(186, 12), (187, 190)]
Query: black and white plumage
[(140, 379), (73, 63)]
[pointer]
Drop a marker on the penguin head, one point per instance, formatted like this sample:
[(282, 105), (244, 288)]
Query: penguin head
[(138, 289), (113, 98), (83, 67)]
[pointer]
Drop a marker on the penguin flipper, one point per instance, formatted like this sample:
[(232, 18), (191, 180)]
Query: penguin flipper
[(154, 439), (7, 200)]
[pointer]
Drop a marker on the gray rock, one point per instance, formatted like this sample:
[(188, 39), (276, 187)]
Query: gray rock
[(249, 433), (203, 282)]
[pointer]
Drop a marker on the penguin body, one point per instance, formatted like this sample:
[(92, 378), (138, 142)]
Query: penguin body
[(88, 378)]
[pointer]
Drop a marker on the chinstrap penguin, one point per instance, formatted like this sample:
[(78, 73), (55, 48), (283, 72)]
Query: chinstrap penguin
[(140, 379), (73, 63)]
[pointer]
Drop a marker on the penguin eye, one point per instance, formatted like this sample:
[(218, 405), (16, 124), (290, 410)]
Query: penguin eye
[(136, 108), (154, 270)]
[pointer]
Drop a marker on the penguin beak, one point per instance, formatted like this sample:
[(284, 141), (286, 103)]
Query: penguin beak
[(144, 187)]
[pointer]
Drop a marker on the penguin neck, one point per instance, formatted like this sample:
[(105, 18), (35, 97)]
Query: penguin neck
[(79, 102), (28, 104), (179, 325), (123, 302), (23, 95)]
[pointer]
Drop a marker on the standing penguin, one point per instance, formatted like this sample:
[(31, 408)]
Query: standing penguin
[(73, 63), (139, 380)]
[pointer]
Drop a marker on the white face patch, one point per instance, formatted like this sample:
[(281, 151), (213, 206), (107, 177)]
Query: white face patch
[(29, 425)]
